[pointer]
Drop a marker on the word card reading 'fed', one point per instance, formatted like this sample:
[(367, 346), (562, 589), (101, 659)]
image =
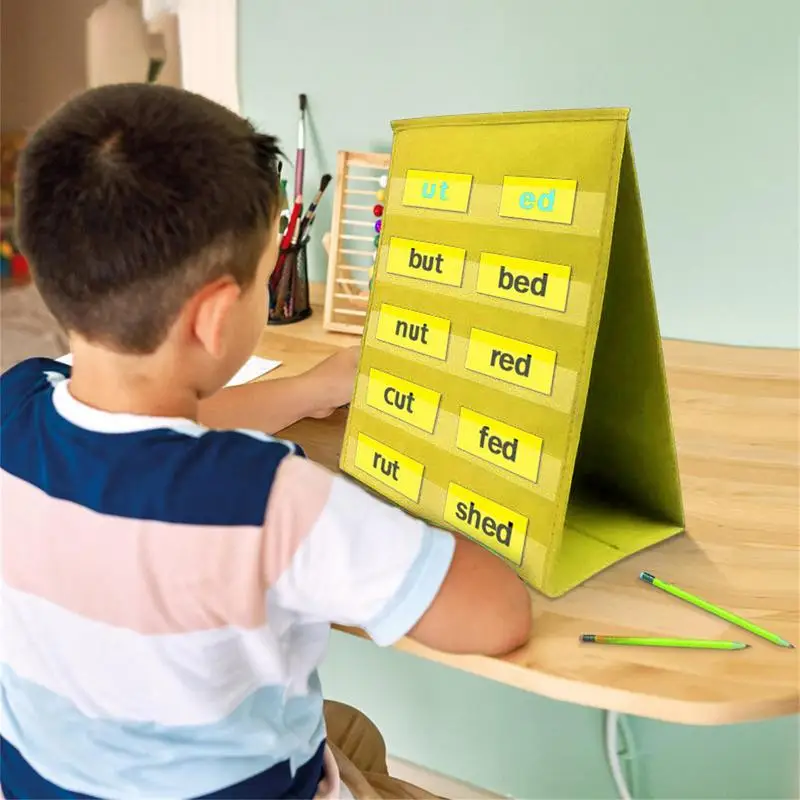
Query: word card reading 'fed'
[(481, 325)]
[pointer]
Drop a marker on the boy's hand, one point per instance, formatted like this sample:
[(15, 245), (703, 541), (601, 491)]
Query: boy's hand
[(332, 382)]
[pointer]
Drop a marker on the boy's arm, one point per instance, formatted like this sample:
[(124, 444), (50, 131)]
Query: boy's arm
[(336, 553), (271, 406), (481, 607)]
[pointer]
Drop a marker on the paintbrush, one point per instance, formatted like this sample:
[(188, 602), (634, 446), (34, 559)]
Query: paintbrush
[(308, 217), (300, 159)]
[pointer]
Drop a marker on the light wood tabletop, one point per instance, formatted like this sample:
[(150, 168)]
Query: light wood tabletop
[(736, 417)]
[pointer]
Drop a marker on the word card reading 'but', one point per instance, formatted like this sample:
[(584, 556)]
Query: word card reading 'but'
[(510, 360), (500, 444), (495, 526), (391, 468), (542, 199), (401, 399), (446, 191), (425, 261), (413, 330), (535, 283)]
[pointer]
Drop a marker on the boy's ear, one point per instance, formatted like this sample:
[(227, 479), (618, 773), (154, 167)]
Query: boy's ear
[(210, 313)]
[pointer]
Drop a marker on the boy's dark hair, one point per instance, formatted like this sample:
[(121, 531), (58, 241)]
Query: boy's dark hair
[(131, 197)]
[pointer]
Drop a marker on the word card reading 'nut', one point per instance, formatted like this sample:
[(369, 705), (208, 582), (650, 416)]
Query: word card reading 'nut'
[(413, 330)]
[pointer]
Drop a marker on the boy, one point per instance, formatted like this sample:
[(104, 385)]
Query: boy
[(170, 572)]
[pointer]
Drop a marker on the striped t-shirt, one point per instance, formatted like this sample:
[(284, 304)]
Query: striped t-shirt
[(167, 596)]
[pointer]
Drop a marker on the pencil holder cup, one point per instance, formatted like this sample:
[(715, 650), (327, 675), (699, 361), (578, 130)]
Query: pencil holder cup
[(288, 287)]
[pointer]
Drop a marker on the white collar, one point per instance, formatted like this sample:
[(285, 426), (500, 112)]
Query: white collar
[(93, 419)]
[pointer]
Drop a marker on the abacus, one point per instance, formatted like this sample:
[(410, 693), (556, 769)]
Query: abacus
[(355, 233)]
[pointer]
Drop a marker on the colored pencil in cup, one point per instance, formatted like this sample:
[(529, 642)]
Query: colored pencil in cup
[(654, 641), (734, 619)]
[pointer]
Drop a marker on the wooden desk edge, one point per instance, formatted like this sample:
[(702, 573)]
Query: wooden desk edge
[(664, 708), (554, 687)]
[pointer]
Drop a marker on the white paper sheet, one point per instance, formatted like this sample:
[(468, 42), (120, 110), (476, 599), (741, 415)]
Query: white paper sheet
[(254, 367)]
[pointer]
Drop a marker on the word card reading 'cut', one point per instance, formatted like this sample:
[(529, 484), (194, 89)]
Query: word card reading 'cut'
[(534, 283), (542, 199), (446, 191), (413, 330), (510, 360), (495, 526), (425, 261), (391, 468), (401, 399)]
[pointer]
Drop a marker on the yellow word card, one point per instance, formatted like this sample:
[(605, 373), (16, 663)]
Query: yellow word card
[(521, 363), (425, 261), (401, 399), (413, 330), (543, 199), (494, 526), (535, 283), (391, 468), (500, 444), (446, 191)]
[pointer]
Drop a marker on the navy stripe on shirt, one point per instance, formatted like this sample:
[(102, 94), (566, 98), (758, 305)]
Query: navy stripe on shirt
[(20, 781), (96, 470)]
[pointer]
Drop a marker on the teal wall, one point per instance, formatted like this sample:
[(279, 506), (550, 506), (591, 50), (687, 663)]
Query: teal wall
[(713, 88), (712, 85)]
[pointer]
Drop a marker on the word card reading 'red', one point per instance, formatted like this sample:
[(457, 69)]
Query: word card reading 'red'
[(496, 298)]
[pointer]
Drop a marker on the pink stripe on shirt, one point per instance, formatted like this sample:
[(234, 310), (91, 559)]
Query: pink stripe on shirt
[(155, 577)]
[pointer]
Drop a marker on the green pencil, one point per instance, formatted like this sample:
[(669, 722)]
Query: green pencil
[(712, 609), (696, 644)]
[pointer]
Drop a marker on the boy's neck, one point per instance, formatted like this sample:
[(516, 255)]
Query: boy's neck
[(130, 384)]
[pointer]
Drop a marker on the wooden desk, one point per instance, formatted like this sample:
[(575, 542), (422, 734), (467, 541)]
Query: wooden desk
[(736, 419)]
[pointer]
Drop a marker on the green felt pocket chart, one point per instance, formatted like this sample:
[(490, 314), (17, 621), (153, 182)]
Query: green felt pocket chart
[(511, 383)]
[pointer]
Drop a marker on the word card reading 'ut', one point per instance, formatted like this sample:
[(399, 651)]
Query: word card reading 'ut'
[(495, 373)]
